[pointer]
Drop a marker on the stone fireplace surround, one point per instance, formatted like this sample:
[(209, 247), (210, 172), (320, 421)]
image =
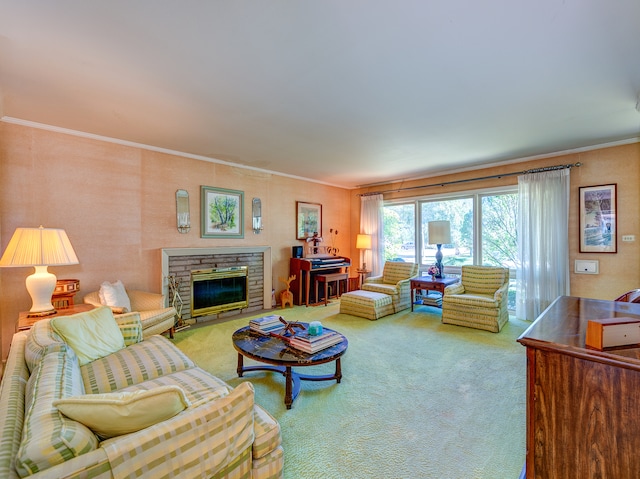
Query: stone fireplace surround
[(180, 261)]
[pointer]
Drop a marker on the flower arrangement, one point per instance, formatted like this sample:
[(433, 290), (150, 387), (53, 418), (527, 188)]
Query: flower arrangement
[(433, 270)]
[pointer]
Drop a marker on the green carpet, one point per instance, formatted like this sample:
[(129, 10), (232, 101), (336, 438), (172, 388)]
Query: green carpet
[(418, 399)]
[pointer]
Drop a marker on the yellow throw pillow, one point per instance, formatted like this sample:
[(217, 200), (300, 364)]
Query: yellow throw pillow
[(117, 413), (92, 335)]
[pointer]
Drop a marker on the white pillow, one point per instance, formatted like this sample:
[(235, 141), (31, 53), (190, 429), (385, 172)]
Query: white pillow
[(92, 335), (114, 294), (117, 413)]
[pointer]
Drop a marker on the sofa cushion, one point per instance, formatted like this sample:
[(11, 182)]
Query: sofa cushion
[(114, 295), (149, 359), (197, 384), (383, 288), (49, 438), (91, 334), (123, 412)]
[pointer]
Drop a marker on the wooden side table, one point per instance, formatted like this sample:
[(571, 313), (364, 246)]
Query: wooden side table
[(364, 274), (24, 322), (429, 284)]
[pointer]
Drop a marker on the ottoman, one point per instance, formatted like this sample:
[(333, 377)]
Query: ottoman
[(366, 304)]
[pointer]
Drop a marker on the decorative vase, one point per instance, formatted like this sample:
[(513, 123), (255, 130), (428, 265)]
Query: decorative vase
[(433, 277)]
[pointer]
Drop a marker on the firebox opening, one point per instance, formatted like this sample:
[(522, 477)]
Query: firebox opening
[(219, 289)]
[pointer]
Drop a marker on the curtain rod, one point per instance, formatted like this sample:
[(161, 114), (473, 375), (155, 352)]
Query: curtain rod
[(525, 172)]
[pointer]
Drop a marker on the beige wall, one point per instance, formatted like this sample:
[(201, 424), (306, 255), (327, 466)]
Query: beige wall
[(117, 204), (621, 165)]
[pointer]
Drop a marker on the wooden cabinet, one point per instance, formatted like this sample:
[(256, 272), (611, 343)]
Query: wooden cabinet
[(583, 405)]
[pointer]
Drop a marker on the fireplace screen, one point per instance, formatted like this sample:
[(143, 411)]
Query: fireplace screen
[(218, 289)]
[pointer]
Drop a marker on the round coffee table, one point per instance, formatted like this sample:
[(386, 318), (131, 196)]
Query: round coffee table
[(281, 358)]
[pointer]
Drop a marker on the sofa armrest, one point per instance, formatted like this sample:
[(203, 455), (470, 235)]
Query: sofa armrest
[(204, 440), (144, 301), (404, 285), (457, 288), (502, 291), (92, 298), (373, 279)]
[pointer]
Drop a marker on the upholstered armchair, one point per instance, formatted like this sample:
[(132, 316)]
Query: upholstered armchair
[(395, 281), (479, 300), (155, 317)]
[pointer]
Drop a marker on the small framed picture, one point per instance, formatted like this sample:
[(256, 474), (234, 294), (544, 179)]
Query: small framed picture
[(222, 213), (598, 219), (308, 220)]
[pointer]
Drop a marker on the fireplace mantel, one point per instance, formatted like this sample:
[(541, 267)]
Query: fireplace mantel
[(185, 252)]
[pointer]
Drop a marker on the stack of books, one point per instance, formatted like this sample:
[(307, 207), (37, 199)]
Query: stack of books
[(312, 344), (266, 324), (432, 299)]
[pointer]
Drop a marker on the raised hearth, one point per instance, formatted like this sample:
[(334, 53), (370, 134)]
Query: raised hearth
[(180, 262)]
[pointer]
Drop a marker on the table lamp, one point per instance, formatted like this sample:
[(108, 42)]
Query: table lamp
[(439, 234), (40, 248), (363, 242)]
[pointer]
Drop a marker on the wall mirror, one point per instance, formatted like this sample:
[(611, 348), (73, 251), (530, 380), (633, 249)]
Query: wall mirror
[(256, 213), (183, 216)]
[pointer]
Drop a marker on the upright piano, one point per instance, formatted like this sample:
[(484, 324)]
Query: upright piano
[(305, 270)]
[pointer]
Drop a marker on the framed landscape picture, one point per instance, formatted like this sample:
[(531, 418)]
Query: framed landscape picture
[(598, 219), (308, 219), (222, 213)]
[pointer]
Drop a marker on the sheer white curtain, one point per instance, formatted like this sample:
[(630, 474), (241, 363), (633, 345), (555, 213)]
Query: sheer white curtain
[(371, 223), (543, 243)]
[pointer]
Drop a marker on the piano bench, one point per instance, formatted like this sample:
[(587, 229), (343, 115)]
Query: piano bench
[(340, 279), (366, 304)]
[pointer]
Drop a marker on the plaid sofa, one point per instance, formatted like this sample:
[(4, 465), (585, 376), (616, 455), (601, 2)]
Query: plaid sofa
[(221, 434)]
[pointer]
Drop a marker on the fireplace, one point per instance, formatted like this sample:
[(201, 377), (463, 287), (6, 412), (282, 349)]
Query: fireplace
[(178, 263), (214, 290)]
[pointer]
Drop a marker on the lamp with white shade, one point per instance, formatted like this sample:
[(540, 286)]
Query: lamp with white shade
[(439, 234), (40, 248)]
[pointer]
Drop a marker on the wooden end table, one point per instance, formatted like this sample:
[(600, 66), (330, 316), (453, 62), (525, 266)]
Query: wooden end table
[(281, 358), (25, 322), (429, 284)]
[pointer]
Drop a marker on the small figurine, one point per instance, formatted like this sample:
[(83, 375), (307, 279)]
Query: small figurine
[(286, 297)]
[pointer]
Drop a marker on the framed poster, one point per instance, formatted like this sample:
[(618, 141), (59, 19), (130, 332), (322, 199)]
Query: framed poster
[(308, 220), (221, 213), (598, 219)]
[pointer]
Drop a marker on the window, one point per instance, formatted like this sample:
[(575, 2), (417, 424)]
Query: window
[(499, 225), (399, 232), (483, 231), (459, 213)]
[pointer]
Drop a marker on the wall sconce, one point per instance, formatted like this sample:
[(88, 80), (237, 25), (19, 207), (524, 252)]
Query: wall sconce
[(182, 211), (256, 213), (40, 248)]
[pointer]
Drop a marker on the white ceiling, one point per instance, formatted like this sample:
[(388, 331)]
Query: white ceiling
[(348, 92)]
